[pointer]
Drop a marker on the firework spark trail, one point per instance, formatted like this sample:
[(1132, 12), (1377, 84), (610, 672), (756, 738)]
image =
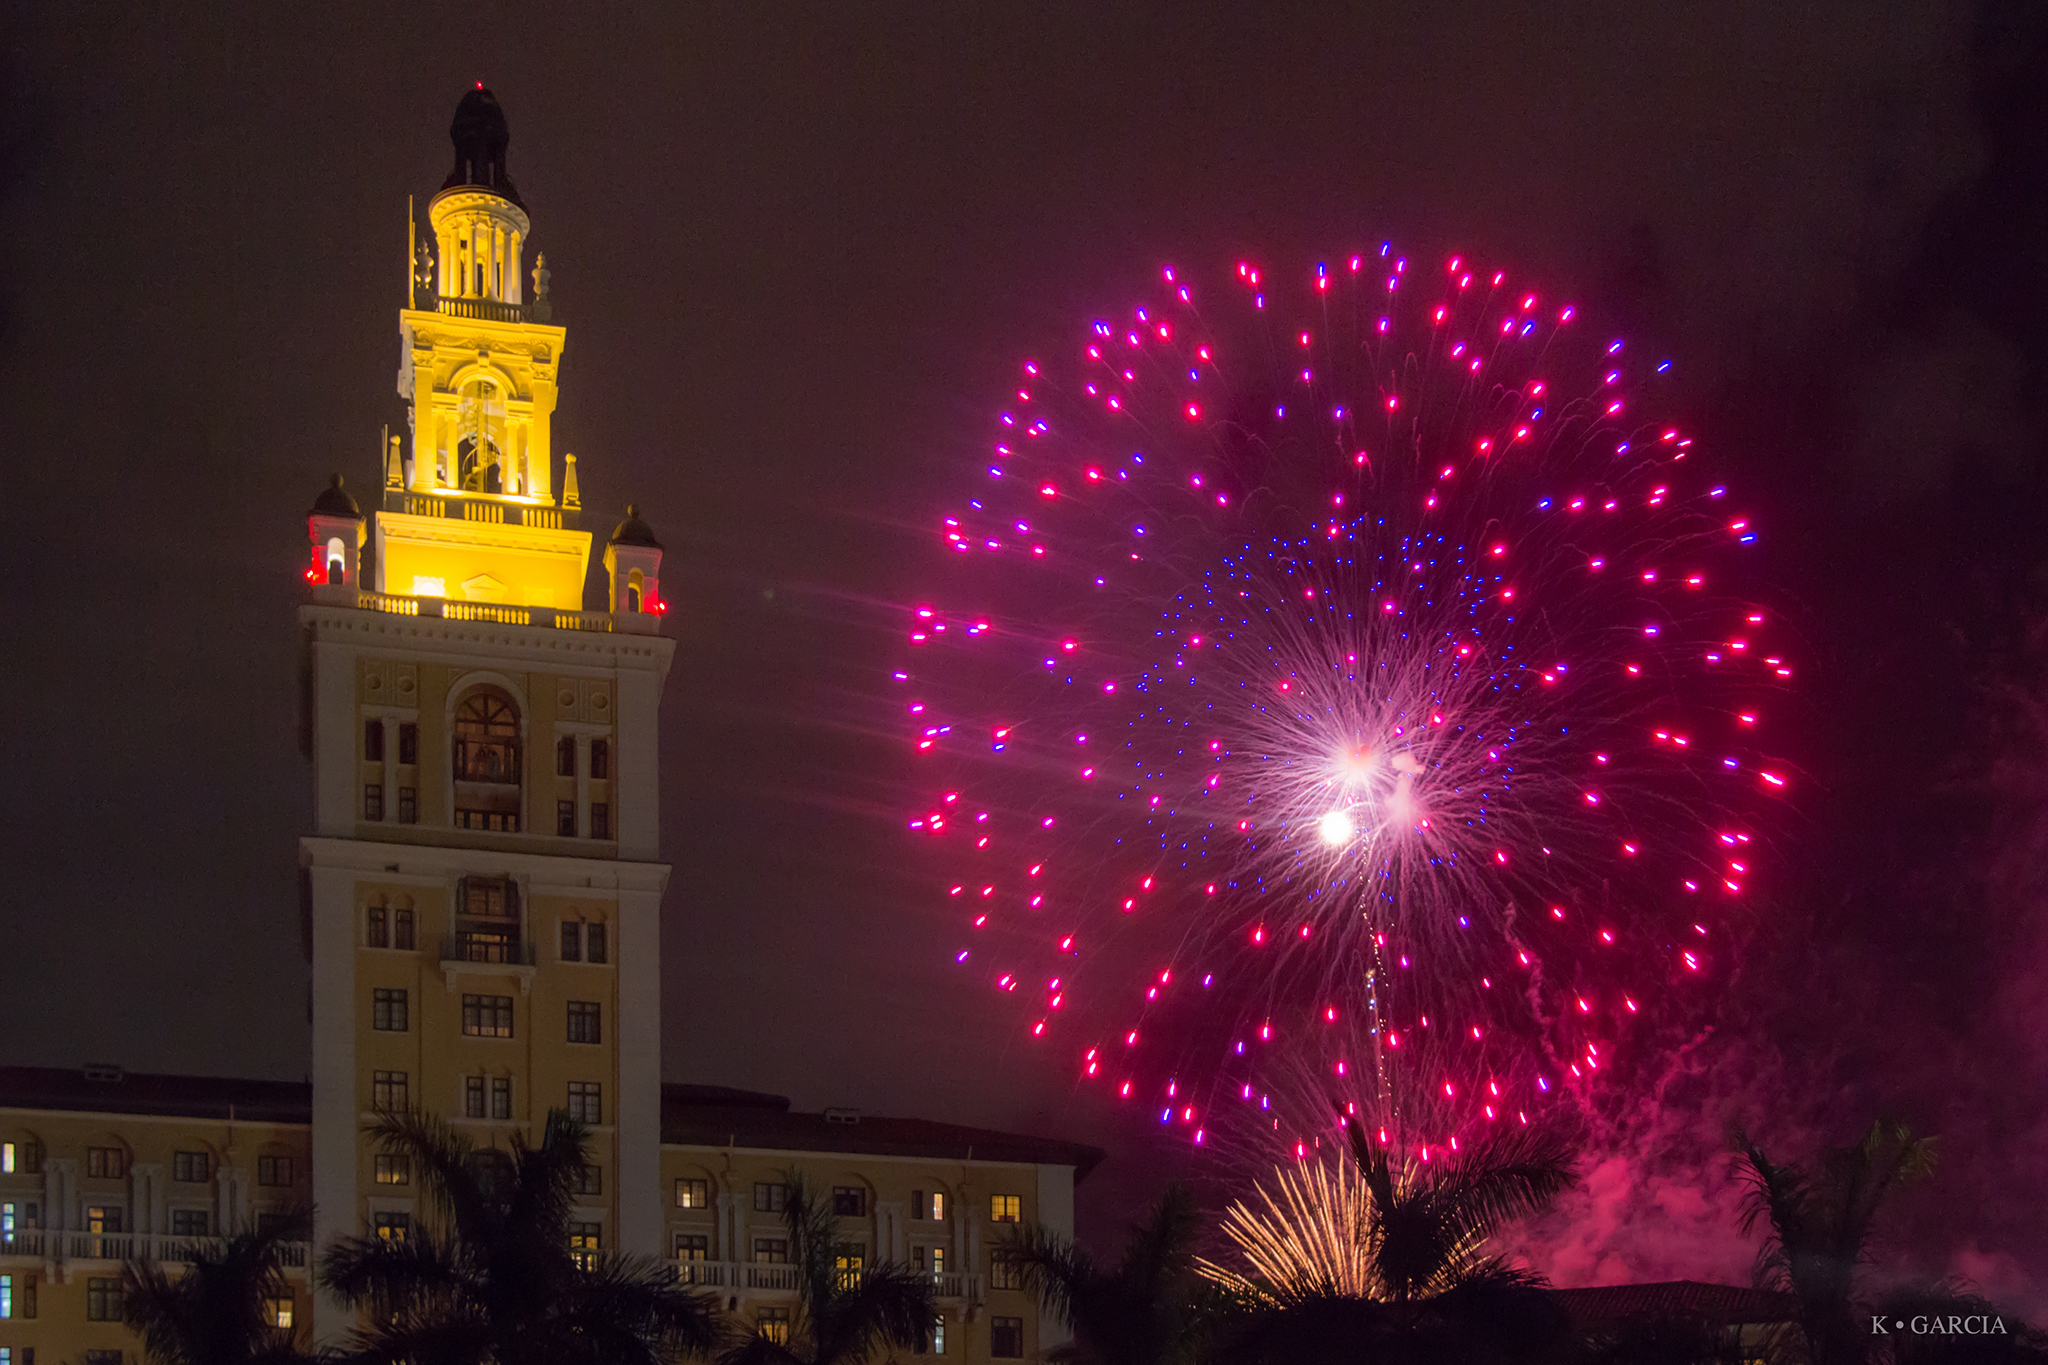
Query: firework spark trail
[(1325, 686)]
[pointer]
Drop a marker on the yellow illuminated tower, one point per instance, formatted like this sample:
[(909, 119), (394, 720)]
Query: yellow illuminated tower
[(482, 882)]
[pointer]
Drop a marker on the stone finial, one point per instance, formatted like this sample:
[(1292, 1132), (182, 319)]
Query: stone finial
[(572, 496), (541, 275)]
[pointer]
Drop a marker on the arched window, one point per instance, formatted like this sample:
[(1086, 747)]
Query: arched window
[(337, 561), (633, 581), (487, 739)]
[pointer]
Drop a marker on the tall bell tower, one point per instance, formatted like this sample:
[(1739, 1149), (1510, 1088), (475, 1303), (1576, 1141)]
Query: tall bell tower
[(483, 883)]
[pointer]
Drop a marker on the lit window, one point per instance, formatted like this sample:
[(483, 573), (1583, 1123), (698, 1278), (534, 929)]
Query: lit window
[(393, 1170), (693, 1246), (932, 1341), (847, 1260), (693, 1194), (487, 1016), (1005, 1208), (929, 1207), (278, 1312), (585, 1239), (7, 1158), (772, 1325), (391, 1227)]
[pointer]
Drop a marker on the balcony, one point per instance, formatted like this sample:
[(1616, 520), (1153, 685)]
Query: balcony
[(769, 1279), (483, 310), (62, 1248), (397, 604), (501, 950)]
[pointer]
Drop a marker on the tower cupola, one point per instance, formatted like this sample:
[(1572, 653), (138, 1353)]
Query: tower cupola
[(335, 531), (480, 226), (632, 561)]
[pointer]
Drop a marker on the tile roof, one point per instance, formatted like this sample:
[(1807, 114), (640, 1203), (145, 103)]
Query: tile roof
[(709, 1116), (110, 1090), (1726, 1305)]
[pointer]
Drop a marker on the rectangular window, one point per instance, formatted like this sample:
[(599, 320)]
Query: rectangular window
[(1005, 1208), (497, 821), (7, 1304), (373, 801), (472, 1097), (600, 758), (771, 1250), (393, 1170), (849, 1201), (1004, 1272), (191, 1167), (17, 1296), (600, 820), (487, 1016), (772, 1326), (388, 1011), (929, 1258), (273, 1170), (1006, 1338), (770, 1198), (585, 1240), (378, 935), (928, 1207), (585, 1022), (594, 943), (373, 741), (572, 941), (693, 1246), (188, 1222), (388, 1092), (693, 1194), (106, 1163), (278, 1312), (401, 930), (565, 756), (586, 1102), (589, 1180), (408, 805), (100, 1219), (391, 1227), (501, 1097), (847, 1260), (565, 819), (408, 742), (932, 1341), (103, 1300)]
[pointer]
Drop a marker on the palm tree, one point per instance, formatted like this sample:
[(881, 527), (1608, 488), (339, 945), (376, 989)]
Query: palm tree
[(841, 1315), (1385, 1257), (490, 1278), (1820, 1223), (217, 1311), (1152, 1308)]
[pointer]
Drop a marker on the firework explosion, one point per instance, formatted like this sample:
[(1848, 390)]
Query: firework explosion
[(1344, 691)]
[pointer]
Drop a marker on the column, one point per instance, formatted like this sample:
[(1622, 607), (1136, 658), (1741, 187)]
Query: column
[(583, 786)]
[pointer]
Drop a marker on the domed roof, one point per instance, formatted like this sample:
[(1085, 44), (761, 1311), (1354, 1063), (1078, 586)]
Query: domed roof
[(334, 502), (480, 134), (633, 531)]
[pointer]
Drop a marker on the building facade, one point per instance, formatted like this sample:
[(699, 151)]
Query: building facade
[(483, 892)]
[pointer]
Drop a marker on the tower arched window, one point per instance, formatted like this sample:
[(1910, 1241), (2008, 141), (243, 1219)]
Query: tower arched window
[(633, 585), (337, 561), (487, 739)]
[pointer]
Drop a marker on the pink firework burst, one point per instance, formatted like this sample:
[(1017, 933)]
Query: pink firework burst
[(1348, 686)]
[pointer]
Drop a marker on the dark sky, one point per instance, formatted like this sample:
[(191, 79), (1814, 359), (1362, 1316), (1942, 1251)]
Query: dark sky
[(796, 251)]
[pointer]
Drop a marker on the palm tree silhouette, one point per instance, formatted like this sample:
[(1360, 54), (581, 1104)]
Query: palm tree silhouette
[(490, 1278), (842, 1315), (217, 1311)]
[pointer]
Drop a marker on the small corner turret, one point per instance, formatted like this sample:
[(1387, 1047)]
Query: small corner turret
[(632, 560), (335, 535)]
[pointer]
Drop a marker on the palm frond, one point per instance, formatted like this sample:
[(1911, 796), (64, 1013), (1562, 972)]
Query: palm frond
[(1058, 1274), (444, 1165)]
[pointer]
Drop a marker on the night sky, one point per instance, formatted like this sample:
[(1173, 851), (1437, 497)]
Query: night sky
[(797, 253)]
